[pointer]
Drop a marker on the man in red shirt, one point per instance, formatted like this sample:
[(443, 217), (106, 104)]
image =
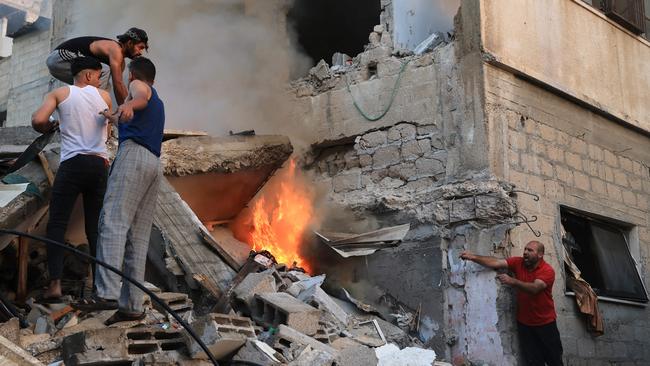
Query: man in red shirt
[(533, 279)]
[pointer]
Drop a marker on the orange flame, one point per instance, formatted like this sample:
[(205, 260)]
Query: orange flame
[(279, 218)]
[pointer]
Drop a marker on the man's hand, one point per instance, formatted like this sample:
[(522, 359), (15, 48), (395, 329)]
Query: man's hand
[(506, 279), (467, 256), (125, 111)]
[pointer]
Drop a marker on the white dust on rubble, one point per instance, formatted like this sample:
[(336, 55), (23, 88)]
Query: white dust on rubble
[(221, 66)]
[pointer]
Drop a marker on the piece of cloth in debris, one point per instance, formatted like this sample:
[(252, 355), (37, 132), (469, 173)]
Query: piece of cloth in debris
[(586, 298), (125, 223), (14, 178)]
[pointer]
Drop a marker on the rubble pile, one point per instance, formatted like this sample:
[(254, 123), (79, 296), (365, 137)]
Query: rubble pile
[(243, 305), (274, 315)]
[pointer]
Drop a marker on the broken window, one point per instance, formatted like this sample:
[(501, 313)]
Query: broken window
[(324, 27), (601, 251)]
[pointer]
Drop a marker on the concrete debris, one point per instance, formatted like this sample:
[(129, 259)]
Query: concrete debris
[(113, 345), (11, 354), (391, 355), (258, 353), (482, 202), (11, 330), (351, 353), (178, 302), (316, 297), (223, 334), (286, 337), (273, 309), (212, 280), (253, 284), (313, 357), (321, 71)]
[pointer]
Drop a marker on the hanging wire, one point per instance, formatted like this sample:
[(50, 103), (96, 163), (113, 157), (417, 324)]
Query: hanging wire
[(392, 96)]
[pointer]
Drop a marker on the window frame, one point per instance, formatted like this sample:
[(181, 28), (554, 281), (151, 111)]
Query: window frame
[(629, 233)]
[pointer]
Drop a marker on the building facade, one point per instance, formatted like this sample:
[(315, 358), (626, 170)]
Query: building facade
[(531, 122)]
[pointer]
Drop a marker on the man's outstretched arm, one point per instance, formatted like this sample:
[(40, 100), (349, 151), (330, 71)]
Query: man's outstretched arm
[(486, 261)]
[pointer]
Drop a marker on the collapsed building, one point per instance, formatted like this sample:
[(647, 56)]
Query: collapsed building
[(524, 122)]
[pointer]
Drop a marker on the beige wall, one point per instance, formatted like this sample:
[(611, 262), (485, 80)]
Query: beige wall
[(570, 156), (569, 46)]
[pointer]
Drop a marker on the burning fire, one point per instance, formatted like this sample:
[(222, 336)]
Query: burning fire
[(279, 217)]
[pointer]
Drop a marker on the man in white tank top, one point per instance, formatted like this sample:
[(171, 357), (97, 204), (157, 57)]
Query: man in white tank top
[(84, 160)]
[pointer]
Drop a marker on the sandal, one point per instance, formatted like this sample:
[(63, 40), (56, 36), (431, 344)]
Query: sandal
[(121, 316), (95, 303)]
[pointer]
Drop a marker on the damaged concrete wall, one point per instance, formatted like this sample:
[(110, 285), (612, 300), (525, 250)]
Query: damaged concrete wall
[(571, 156), (25, 75), (393, 169)]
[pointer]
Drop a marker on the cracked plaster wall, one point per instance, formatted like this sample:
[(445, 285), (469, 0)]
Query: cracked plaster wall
[(407, 167)]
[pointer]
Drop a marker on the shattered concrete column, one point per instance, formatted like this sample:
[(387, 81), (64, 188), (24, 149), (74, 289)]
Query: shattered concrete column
[(476, 216)]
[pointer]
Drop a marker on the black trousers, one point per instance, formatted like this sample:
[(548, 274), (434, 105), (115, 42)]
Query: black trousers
[(81, 174), (541, 345)]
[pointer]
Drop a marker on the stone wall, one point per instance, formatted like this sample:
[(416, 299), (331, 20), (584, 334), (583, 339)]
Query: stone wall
[(570, 156), (429, 150), (28, 76)]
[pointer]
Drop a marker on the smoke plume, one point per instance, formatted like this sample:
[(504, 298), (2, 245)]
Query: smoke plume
[(222, 65)]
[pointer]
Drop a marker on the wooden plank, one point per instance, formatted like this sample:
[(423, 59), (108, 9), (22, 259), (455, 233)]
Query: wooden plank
[(208, 285), (232, 250), (46, 168), (178, 225), (23, 257)]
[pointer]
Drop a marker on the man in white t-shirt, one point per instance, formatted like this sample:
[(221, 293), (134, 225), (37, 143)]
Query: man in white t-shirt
[(84, 159)]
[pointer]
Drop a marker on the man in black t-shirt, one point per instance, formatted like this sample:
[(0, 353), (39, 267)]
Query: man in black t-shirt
[(110, 53)]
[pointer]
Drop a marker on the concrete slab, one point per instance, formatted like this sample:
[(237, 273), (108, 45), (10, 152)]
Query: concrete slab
[(251, 285), (11, 354), (287, 336), (218, 176), (222, 334)]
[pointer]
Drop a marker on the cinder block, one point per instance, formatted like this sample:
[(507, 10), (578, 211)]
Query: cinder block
[(251, 353), (222, 334), (178, 302), (316, 297), (287, 336), (115, 345), (254, 283), (273, 309)]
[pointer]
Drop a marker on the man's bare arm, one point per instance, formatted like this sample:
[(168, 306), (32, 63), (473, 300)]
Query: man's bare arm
[(486, 261), (139, 94), (41, 118), (532, 288), (116, 64)]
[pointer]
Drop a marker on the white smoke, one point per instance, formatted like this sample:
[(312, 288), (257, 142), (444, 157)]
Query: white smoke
[(221, 64)]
